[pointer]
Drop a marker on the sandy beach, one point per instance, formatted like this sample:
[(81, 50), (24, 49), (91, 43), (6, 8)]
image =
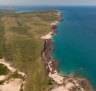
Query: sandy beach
[(48, 36)]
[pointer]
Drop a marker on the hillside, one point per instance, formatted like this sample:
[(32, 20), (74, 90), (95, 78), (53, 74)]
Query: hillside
[(21, 44)]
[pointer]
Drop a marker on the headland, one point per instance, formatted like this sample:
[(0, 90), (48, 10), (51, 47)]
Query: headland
[(21, 46), (66, 82)]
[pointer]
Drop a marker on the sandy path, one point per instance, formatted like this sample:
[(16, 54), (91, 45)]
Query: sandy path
[(11, 84)]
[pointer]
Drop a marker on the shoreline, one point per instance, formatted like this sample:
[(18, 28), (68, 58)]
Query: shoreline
[(66, 82), (51, 64)]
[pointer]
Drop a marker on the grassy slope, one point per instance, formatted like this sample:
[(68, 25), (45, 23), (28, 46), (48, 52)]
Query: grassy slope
[(21, 44)]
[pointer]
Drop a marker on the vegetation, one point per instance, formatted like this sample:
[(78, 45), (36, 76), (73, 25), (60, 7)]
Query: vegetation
[(3, 70), (2, 41), (1, 82), (21, 44), (16, 75)]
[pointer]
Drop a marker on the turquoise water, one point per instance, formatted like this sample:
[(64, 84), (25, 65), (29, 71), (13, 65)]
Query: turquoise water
[(75, 43)]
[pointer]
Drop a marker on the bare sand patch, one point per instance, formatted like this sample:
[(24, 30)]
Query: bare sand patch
[(11, 83)]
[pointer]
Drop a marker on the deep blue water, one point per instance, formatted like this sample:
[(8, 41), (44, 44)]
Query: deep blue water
[(75, 42)]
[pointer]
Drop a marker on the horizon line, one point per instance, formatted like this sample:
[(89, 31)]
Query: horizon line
[(45, 5)]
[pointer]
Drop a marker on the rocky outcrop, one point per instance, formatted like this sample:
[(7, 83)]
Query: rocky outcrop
[(66, 82)]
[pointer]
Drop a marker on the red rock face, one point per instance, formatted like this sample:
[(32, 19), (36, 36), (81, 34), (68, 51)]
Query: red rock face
[(54, 26), (54, 31), (60, 20)]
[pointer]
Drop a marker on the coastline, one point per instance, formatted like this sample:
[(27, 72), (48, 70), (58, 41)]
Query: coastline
[(66, 82), (29, 45)]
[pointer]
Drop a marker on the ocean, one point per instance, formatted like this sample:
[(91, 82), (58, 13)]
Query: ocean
[(75, 42)]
